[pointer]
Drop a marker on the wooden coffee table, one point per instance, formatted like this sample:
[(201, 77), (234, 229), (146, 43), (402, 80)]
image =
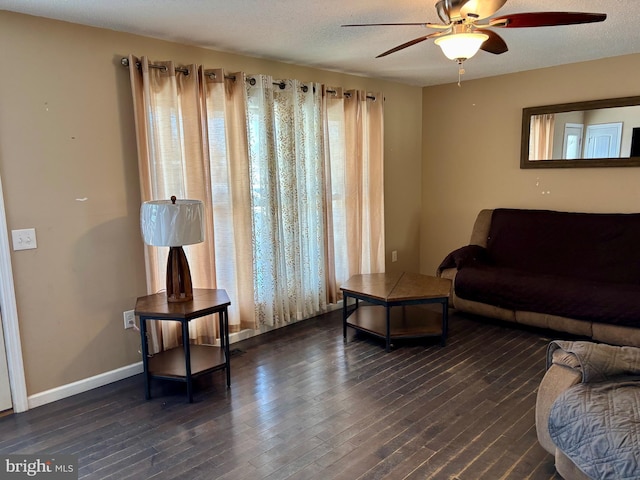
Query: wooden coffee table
[(397, 306)]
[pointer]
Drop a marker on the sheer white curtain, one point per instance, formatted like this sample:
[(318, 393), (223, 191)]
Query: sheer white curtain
[(291, 175), (287, 179)]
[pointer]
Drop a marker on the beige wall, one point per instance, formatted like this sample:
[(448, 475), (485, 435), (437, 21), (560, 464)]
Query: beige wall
[(471, 150), (66, 133)]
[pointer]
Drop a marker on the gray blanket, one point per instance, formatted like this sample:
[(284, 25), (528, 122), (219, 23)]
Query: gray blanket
[(597, 361), (597, 423)]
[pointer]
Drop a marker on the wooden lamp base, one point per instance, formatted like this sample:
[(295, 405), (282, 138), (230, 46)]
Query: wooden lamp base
[(179, 287)]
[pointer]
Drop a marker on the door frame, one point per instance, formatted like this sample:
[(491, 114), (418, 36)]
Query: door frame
[(9, 308), (567, 127)]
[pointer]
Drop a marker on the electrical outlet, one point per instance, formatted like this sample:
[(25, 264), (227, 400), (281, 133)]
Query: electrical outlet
[(129, 319), (394, 256)]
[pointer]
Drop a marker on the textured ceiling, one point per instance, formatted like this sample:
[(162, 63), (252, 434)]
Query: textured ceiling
[(308, 32)]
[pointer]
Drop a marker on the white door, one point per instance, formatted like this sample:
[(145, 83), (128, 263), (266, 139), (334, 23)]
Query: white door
[(572, 146), (5, 391), (603, 141), (10, 349)]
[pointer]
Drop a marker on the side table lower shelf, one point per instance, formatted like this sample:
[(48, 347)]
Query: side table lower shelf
[(170, 365)]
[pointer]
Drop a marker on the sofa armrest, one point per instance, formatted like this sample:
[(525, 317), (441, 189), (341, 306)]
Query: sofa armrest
[(556, 380), (449, 273), (481, 227), (464, 256)]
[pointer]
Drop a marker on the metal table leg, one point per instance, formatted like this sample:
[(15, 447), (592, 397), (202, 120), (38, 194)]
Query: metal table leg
[(187, 359), (145, 357), (344, 316), (445, 322), (224, 340), (388, 313)]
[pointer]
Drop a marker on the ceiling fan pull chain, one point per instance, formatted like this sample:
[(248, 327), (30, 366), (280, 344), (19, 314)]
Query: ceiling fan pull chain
[(460, 72)]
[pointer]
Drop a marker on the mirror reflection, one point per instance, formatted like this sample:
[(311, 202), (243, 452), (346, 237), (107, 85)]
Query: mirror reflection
[(603, 133), (597, 133)]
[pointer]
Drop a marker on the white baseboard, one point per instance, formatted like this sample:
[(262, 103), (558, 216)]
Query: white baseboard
[(248, 333), (84, 385), (105, 378), (242, 335)]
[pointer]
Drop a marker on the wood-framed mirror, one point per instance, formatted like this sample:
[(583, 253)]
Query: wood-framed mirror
[(597, 133)]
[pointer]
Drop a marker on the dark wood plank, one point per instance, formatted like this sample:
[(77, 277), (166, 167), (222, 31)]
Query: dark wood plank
[(303, 404)]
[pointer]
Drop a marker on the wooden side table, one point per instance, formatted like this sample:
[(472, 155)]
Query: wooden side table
[(187, 361)]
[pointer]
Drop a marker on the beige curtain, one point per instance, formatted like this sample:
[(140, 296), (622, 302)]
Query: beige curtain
[(355, 120), (172, 161), (226, 100), (541, 137), (316, 155), (365, 166)]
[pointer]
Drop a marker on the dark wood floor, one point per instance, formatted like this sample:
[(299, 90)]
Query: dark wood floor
[(305, 405)]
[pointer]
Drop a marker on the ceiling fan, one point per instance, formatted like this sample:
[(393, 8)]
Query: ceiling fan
[(460, 36)]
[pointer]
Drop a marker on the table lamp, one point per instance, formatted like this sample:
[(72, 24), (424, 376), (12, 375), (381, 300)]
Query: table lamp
[(173, 224)]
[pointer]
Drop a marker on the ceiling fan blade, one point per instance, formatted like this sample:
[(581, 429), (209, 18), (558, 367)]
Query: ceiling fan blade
[(545, 19), (494, 44), (417, 24), (411, 43)]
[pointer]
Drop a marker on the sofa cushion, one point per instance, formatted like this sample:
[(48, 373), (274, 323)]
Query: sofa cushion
[(587, 246), (572, 297)]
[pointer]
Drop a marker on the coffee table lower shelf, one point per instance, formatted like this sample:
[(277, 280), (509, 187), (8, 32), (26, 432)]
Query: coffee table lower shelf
[(406, 322)]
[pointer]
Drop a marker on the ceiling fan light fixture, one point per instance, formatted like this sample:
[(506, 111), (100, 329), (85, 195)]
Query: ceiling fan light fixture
[(461, 46)]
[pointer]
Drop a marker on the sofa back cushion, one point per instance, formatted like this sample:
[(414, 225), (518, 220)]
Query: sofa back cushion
[(592, 246)]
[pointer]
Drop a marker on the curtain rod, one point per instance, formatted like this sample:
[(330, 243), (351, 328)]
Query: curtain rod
[(125, 63), (252, 81)]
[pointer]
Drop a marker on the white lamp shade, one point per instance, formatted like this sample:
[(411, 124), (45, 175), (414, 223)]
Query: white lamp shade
[(461, 46), (167, 224)]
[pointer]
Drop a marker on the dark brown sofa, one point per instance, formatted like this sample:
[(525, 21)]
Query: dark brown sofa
[(572, 272)]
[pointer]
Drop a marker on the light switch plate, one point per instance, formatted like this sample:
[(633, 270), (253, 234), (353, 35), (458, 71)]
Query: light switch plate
[(24, 239)]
